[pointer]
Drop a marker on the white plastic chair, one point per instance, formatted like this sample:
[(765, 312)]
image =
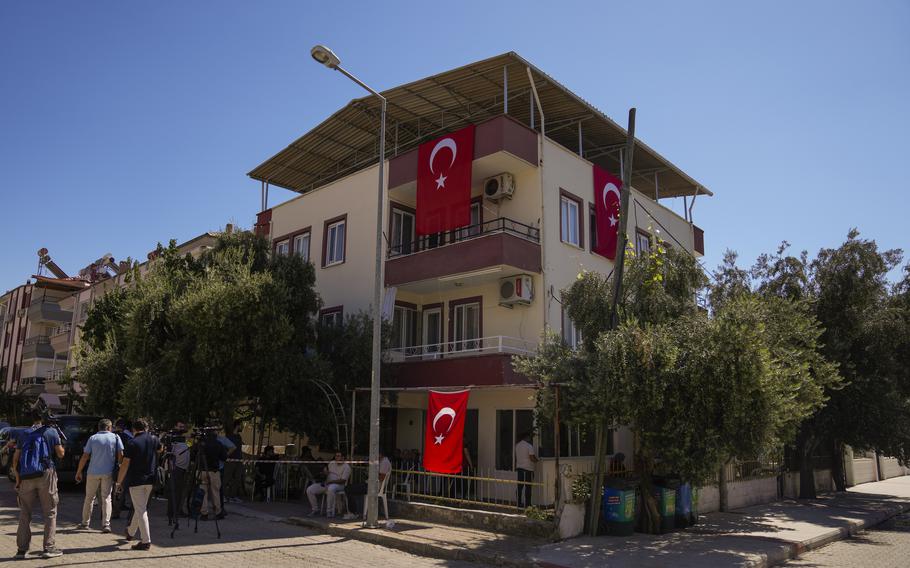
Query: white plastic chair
[(380, 495), (405, 485), (340, 497)]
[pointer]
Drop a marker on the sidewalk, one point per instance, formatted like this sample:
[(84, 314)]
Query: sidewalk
[(762, 535)]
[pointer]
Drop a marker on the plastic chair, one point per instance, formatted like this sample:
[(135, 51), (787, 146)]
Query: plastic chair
[(340, 497), (381, 495), (406, 485)]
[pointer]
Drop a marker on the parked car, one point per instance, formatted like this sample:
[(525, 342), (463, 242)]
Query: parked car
[(78, 429)]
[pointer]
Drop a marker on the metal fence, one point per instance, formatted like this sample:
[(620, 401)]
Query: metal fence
[(757, 468), (480, 489)]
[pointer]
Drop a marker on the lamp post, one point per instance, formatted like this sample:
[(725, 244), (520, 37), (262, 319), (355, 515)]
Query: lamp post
[(327, 57)]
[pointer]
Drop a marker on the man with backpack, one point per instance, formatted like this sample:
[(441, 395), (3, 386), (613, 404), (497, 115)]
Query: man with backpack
[(36, 482)]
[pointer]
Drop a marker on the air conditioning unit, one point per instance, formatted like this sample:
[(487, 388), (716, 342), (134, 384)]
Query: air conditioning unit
[(499, 186), (516, 290)]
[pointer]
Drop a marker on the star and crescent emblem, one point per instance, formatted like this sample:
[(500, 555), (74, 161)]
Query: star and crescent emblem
[(611, 188), (444, 411), (445, 143)]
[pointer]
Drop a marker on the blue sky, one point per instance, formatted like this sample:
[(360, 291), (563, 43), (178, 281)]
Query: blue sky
[(127, 123)]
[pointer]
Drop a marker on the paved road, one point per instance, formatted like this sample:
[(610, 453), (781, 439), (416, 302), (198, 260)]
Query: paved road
[(885, 546), (244, 542)]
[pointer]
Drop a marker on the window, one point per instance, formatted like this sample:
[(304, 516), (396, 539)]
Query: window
[(571, 336), (474, 228), (404, 327), (465, 322), (574, 441), (432, 330), (332, 316), (642, 242), (401, 239), (571, 226), (281, 248), (510, 424), (592, 226), (302, 246), (334, 241)]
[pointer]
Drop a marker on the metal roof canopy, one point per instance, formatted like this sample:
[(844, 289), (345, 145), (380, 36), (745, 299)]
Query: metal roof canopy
[(347, 141)]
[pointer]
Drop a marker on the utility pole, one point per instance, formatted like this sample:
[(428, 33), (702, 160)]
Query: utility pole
[(621, 239), (603, 430)]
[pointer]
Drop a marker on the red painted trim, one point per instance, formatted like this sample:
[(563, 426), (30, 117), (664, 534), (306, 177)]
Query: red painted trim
[(408, 305), (698, 239), (473, 254), (581, 216), (463, 371), (325, 239)]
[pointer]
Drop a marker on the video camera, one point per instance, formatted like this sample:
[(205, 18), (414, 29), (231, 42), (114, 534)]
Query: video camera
[(48, 418)]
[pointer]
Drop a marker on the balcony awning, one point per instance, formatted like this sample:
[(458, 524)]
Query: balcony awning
[(347, 141)]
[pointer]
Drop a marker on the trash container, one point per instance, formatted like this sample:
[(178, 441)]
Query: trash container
[(666, 505), (619, 507), (685, 516)]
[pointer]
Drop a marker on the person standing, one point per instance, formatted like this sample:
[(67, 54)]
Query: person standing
[(215, 453), (233, 470), (337, 474), (525, 458), (36, 481), (102, 453), (138, 470), (124, 430), (178, 465)]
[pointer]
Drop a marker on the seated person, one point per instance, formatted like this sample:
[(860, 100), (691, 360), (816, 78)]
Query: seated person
[(337, 474), (357, 491), (265, 472)]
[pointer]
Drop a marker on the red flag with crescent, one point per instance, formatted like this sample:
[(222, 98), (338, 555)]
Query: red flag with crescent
[(606, 211), (444, 443), (444, 182)]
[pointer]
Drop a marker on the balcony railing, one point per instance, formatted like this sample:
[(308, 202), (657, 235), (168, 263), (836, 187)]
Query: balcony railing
[(55, 375), (38, 340), (463, 348), (62, 329), (446, 238), (31, 381)]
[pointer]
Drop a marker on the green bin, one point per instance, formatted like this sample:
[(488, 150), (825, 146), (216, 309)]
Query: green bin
[(666, 504)]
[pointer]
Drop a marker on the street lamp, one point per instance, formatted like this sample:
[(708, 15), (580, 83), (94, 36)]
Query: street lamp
[(327, 57)]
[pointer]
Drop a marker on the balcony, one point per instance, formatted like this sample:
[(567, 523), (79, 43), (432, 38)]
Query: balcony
[(60, 337), (31, 385), (496, 245), (48, 311), (38, 346), (481, 361), (55, 375)]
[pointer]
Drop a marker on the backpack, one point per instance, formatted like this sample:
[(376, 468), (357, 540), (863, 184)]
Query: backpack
[(34, 454)]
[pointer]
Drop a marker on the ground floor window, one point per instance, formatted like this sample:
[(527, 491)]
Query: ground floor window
[(510, 425), (574, 441)]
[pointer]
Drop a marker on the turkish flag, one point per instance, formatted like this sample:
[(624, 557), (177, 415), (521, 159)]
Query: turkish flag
[(444, 442), (606, 211), (444, 182)]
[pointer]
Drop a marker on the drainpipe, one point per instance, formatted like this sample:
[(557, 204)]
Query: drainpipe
[(540, 165)]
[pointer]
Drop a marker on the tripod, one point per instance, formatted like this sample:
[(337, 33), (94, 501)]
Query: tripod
[(200, 465)]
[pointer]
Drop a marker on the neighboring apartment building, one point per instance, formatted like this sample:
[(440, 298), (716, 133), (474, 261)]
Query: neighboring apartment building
[(462, 304), (40, 323)]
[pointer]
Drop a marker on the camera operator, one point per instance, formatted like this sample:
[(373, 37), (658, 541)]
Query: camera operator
[(36, 480), (180, 464), (215, 453), (139, 469)]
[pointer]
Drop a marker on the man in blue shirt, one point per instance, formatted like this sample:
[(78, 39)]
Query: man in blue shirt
[(102, 452), (41, 487), (139, 469)]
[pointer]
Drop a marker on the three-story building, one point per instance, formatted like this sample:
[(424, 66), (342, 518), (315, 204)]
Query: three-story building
[(462, 303)]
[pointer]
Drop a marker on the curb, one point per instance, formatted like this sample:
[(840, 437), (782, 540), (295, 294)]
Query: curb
[(794, 550), (393, 540)]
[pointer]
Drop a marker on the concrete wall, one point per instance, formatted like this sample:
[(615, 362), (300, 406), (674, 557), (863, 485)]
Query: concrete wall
[(349, 284), (864, 470)]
